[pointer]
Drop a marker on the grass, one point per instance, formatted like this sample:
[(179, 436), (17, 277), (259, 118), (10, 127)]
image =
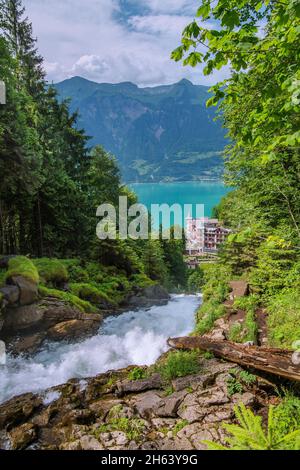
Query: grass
[(116, 421), (137, 374), (22, 266), (51, 271), (284, 318), (246, 331), (179, 364), (179, 426), (73, 300)]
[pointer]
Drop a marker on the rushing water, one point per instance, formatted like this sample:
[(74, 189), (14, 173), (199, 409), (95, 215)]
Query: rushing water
[(131, 338)]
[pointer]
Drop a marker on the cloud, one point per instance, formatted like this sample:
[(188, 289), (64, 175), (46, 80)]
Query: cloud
[(169, 6), (113, 40)]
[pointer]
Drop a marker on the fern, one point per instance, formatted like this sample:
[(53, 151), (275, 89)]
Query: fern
[(250, 435)]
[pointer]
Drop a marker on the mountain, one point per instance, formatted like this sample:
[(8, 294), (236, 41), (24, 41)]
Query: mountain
[(164, 133)]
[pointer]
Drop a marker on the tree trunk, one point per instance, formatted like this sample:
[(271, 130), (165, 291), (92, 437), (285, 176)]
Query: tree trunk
[(279, 362)]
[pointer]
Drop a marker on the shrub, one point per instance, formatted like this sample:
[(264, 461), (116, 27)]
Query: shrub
[(117, 421), (179, 364), (208, 313), (284, 318), (22, 266), (137, 374), (51, 271)]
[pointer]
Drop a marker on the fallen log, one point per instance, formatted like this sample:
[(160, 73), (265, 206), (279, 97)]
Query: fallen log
[(279, 362)]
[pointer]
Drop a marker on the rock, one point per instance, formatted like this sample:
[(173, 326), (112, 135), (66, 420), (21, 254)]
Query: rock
[(152, 295), (248, 399), (120, 438), (22, 318), (78, 417), (72, 329), (168, 407), (22, 436), (27, 344), (4, 261), (11, 294), (18, 409), (146, 402), (137, 386), (28, 289), (238, 289), (194, 381), (90, 443), (75, 445), (101, 407)]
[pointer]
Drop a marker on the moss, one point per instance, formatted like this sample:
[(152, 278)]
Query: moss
[(22, 266), (73, 300), (51, 271), (2, 276), (90, 293)]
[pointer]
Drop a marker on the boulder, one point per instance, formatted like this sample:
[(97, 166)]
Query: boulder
[(137, 386), (22, 436), (28, 344), (28, 289), (152, 295), (72, 329), (146, 402), (11, 294), (168, 407)]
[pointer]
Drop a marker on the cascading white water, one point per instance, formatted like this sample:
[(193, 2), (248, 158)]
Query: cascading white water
[(131, 338)]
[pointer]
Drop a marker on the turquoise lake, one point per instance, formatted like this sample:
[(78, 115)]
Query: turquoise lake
[(191, 192)]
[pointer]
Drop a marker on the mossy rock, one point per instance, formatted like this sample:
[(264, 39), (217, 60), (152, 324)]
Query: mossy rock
[(67, 297), (21, 266), (90, 293), (51, 271)]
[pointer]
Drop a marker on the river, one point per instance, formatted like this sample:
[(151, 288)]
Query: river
[(136, 337)]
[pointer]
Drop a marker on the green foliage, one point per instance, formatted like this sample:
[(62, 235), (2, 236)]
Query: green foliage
[(195, 280), (238, 380), (90, 293), (284, 318), (22, 266), (137, 374), (246, 331), (249, 434), (51, 271), (179, 364), (117, 421), (259, 105), (179, 426), (73, 300)]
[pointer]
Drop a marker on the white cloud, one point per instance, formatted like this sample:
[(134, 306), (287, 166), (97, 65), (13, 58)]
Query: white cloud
[(94, 40), (162, 24), (169, 6)]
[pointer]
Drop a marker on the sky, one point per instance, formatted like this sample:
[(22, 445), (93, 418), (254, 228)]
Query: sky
[(114, 40)]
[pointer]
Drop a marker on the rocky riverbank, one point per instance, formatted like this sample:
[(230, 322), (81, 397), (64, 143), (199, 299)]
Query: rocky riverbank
[(29, 316), (112, 412)]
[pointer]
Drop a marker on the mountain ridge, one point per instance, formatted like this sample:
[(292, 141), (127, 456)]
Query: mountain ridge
[(161, 133)]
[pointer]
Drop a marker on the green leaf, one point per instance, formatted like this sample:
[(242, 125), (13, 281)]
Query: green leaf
[(230, 19)]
